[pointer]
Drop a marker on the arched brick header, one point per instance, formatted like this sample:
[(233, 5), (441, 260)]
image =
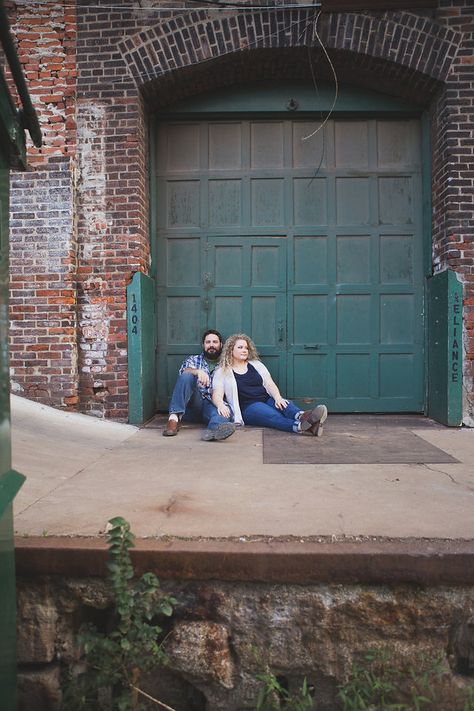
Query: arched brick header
[(416, 44)]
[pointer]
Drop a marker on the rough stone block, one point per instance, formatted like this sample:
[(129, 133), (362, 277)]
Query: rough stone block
[(201, 649), (39, 689), (36, 626)]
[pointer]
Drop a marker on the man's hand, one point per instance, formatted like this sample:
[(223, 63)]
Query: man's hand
[(203, 378)]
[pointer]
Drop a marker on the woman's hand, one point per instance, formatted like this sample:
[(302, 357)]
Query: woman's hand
[(272, 390), (223, 410), (218, 401), (280, 402)]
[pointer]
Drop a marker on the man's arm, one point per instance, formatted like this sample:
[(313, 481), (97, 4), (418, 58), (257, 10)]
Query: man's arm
[(202, 376), (190, 366)]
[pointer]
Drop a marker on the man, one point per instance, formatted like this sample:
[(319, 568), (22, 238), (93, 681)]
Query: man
[(191, 399)]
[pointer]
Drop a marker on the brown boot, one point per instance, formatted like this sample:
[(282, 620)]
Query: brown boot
[(171, 429), (312, 420)]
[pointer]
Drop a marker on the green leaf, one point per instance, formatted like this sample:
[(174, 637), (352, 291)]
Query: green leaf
[(166, 609)]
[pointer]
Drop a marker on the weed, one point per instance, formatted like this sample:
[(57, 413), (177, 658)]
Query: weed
[(113, 662), (274, 696), (378, 685)]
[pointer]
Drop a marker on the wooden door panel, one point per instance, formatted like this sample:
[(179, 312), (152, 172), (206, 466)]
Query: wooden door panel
[(353, 371), (309, 201), (228, 265), (351, 144), (352, 201), (182, 204), (353, 259), (397, 319), (353, 319), (397, 255), (310, 320), (225, 203), (396, 201), (267, 269), (230, 314), (182, 263), (225, 146), (310, 377), (267, 202), (309, 261), (266, 145)]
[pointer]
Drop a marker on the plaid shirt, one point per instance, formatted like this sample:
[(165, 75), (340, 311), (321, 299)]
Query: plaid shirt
[(199, 361)]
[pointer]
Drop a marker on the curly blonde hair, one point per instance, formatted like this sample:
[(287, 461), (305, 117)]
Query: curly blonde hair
[(226, 359)]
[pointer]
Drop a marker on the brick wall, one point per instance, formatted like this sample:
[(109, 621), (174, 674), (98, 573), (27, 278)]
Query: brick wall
[(43, 293), (128, 60), (453, 176), (45, 38), (42, 228), (112, 207)]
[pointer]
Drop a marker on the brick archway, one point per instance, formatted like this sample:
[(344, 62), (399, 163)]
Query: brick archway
[(401, 53)]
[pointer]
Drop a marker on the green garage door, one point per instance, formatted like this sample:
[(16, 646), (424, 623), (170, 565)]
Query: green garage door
[(313, 247)]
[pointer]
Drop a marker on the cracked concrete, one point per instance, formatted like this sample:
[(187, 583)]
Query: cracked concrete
[(444, 473), (82, 471)]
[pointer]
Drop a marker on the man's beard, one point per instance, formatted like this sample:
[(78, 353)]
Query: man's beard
[(214, 354)]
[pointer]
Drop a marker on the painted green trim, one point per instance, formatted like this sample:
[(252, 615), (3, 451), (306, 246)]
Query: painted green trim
[(445, 348), (152, 204), (427, 211), (10, 484), (290, 98), (141, 294), (28, 116), (5, 439), (8, 654), (455, 350), (12, 137), (426, 192)]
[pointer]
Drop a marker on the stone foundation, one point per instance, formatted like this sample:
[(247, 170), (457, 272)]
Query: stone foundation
[(222, 635)]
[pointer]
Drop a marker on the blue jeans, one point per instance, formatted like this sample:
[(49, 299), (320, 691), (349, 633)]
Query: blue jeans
[(187, 400), (265, 414)]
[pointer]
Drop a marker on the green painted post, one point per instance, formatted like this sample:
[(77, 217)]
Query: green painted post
[(445, 348), (12, 153), (141, 348), (10, 481)]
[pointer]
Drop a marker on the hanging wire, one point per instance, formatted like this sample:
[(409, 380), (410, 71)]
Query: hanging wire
[(315, 84), (336, 83)]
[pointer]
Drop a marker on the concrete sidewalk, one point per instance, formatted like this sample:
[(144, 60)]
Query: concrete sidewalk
[(82, 471)]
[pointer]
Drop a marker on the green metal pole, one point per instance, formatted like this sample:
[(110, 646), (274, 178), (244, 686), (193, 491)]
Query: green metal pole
[(28, 117)]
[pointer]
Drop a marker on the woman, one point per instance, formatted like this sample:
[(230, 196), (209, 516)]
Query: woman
[(248, 388)]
